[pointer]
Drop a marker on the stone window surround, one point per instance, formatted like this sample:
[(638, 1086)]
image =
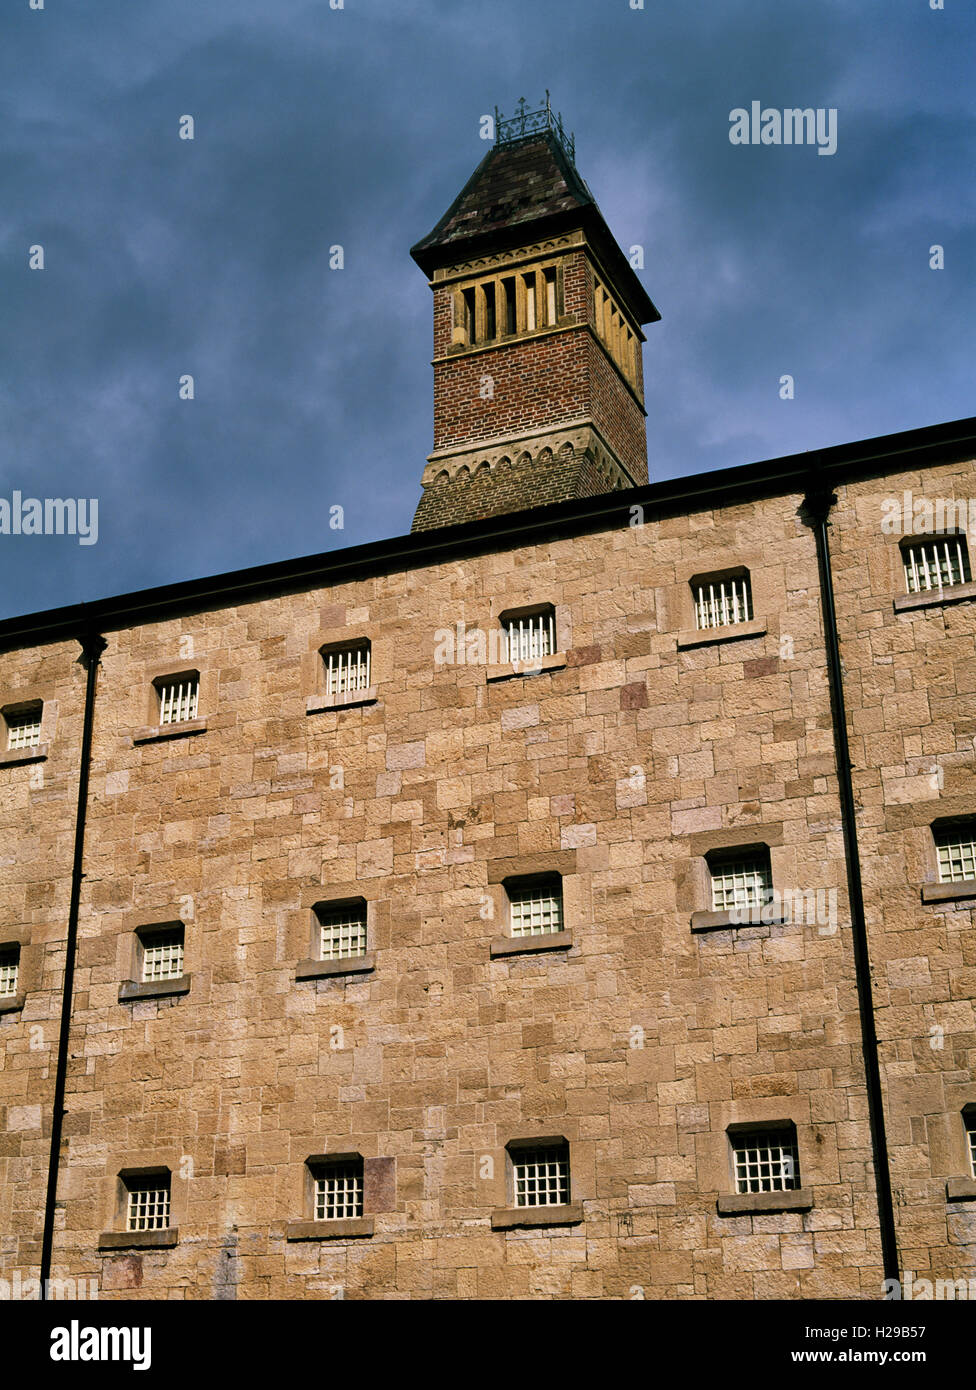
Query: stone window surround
[(682, 603), (547, 864), (28, 966), (33, 697), (503, 610), (933, 598), (962, 1188), (716, 1170), (317, 699), (510, 1216), (932, 890), (695, 886), (312, 967), (350, 1228), (135, 927), (115, 1236), (160, 673)]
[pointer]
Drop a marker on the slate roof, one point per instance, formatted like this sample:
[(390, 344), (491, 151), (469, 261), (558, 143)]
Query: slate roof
[(531, 184)]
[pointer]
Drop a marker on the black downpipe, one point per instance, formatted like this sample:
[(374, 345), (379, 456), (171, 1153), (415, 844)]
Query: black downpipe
[(816, 507), (92, 646)]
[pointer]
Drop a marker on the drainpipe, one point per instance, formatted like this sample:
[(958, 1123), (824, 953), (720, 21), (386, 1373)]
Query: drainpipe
[(92, 646), (816, 508)]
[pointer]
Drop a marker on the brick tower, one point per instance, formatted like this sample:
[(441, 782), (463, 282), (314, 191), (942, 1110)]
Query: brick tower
[(538, 381)]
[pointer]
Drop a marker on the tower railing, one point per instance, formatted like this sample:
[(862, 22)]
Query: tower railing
[(524, 124)]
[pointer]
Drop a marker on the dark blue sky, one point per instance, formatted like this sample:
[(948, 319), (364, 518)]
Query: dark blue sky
[(358, 126)]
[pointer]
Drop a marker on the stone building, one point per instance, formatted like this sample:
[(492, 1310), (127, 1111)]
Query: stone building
[(573, 898)]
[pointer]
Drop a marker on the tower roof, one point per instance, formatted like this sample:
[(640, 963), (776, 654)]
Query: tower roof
[(521, 190)]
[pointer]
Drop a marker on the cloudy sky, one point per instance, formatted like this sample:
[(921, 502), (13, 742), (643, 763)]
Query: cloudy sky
[(316, 126)]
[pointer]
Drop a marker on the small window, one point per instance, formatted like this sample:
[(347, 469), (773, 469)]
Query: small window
[(178, 697), (936, 564), (536, 906), (969, 1120), (467, 297), (347, 669), (540, 1176), (24, 727), (490, 324), (9, 971), (530, 315), (508, 287), (741, 878), (161, 950), (549, 276), (532, 635), (337, 1189), (956, 849), (147, 1202), (722, 602), (342, 930), (765, 1160)]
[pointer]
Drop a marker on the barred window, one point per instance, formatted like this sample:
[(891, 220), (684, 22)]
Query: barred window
[(338, 1190), (536, 907), (541, 1176), (162, 954), (9, 970), (347, 669), (936, 564), (532, 635), (147, 1208), (342, 930), (969, 1120), (178, 698), (766, 1160), (24, 728), (742, 880), (956, 848), (722, 602)]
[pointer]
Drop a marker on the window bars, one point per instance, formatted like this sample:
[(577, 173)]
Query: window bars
[(348, 670), (936, 564), (541, 1177), (722, 603), (148, 1207), (178, 700), (343, 933), (766, 1162), (537, 910), (339, 1192), (162, 956), (957, 855), (741, 883), (9, 971), (24, 730), (531, 638), (971, 1141)]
